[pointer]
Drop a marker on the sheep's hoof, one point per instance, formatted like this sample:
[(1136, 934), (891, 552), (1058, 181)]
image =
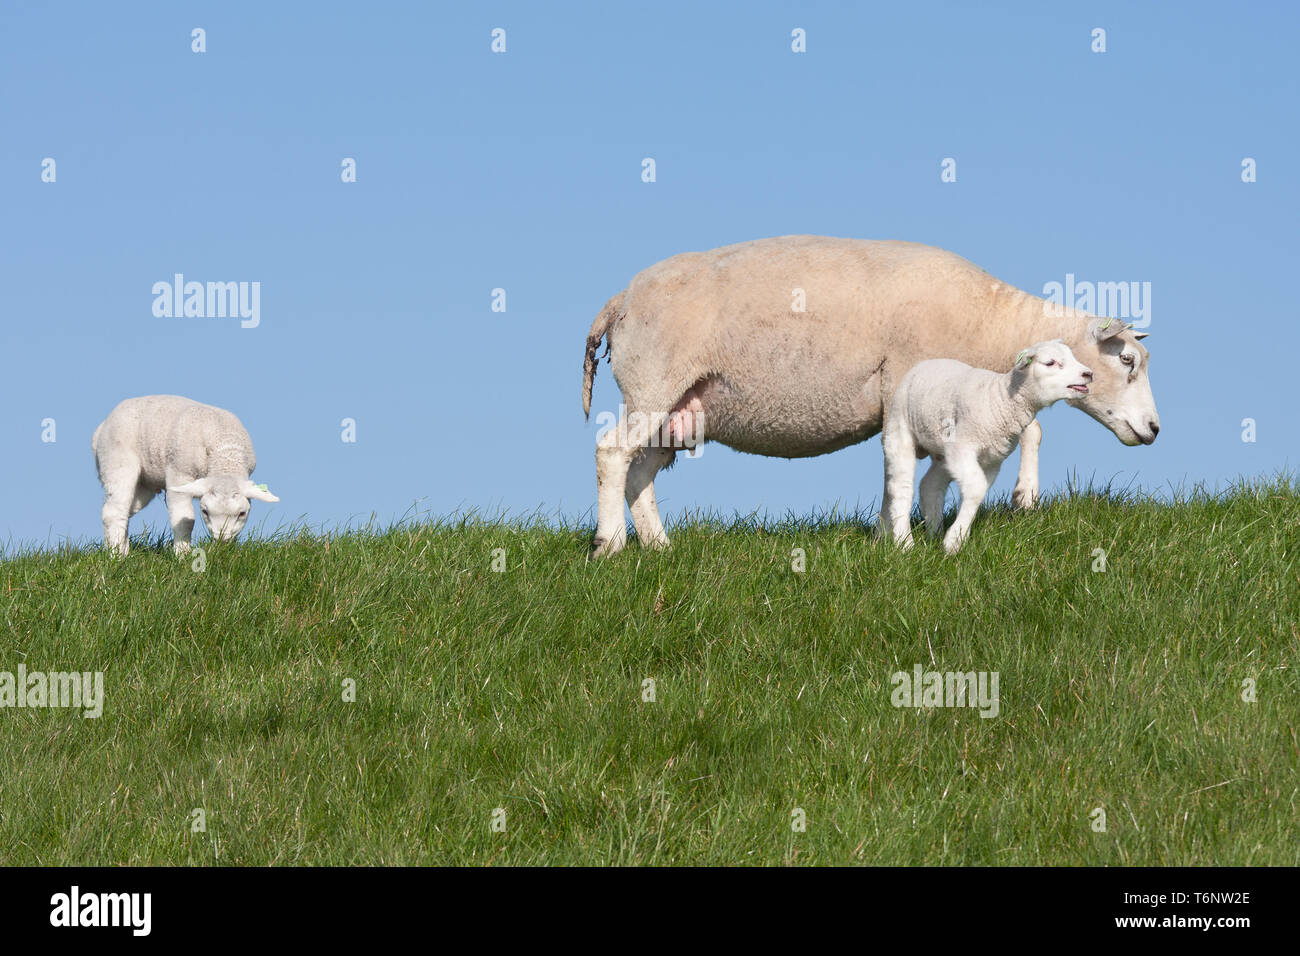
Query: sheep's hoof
[(660, 543), (1024, 499), (603, 548)]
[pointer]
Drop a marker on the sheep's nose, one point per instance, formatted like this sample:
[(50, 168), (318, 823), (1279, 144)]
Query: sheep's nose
[(1087, 373), (1155, 428)]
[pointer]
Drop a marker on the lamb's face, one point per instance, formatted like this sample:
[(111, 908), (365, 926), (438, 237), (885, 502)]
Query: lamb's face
[(224, 514), (223, 502), (1054, 373)]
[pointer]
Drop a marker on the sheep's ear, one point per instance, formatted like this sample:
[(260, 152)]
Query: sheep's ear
[(1024, 359), (195, 489), (1106, 328), (1140, 335), (258, 492)]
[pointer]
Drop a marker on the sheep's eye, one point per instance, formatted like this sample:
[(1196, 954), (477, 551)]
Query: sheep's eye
[(242, 513), (1126, 358), (1050, 362)]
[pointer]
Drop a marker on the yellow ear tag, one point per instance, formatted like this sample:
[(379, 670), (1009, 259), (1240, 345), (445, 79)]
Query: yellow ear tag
[(1105, 325), (263, 488)]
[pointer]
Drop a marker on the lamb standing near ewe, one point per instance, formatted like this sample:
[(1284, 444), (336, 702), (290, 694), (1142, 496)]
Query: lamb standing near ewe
[(967, 420), (794, 346), (190, 450)]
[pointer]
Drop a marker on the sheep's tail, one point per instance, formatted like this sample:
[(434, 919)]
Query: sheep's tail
[(612, 312)]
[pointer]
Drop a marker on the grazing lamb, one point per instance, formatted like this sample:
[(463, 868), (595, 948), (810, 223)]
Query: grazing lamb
[(967, 420), (168, 443), (793, 347)]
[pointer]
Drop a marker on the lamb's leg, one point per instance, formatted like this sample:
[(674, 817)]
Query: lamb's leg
[(1025, 495), (180, 509), (934, 486), (614, 454), (143, 495), (641, 496), (900, 469), (973, 482), (115, 519), (119, 505)]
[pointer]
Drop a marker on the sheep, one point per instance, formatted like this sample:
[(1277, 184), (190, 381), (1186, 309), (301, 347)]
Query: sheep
[(187, 449), (793, 347), (967, 420)]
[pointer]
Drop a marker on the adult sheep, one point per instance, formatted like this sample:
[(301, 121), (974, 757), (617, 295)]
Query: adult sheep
[(714, 346)]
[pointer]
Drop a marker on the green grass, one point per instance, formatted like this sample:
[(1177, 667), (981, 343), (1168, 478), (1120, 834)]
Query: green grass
[(522, 690)]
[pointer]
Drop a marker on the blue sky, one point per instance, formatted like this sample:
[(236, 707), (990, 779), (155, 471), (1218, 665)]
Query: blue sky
[(522, 171)]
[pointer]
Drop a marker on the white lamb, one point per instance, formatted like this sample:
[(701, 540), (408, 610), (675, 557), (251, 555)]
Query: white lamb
[(190, 450), (968, 420)]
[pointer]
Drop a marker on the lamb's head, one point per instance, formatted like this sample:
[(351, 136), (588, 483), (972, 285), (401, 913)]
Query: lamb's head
[(224, 502), (1048, 372), (1120, 397)]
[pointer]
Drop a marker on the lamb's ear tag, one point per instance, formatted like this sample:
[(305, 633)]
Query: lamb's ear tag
[(1105, 323), (1022, 359), (263, 488)]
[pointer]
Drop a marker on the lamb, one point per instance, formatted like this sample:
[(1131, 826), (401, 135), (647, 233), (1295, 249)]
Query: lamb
[(967, 420), (187, 449)]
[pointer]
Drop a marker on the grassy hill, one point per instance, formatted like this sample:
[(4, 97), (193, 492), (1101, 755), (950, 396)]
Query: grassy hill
[(522, 690)]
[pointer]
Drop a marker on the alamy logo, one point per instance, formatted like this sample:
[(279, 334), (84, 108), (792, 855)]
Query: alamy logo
[(1130, 301), (975, 689), (208, 300), (55, 689), (679, 428), (103, 909)]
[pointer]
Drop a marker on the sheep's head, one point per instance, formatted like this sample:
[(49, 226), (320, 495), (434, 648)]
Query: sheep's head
[(1049, 372), (1120, 397), (224, 502)]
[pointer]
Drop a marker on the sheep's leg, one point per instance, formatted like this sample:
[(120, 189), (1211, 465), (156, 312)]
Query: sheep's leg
[(614, 454), (180, 510), (1025, 495), (682, 427), (120, 495), (973, 482), (143, 495), (900, 469), (884, 523), (641, 496), (115, 521), (934, 487)]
